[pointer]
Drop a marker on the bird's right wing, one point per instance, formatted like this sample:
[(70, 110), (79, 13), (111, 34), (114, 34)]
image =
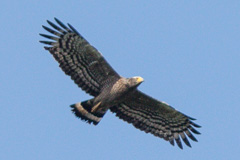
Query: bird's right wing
[(157, 118), (78, 59)]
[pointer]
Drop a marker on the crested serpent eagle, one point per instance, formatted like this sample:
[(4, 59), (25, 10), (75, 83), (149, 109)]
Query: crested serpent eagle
[(91, 72)]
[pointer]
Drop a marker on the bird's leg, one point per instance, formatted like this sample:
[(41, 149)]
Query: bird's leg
[(95, 107)]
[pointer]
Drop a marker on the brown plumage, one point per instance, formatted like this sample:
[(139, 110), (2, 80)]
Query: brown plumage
[(91, 72)]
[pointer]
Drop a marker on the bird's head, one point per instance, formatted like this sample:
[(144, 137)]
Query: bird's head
[(135, 81)]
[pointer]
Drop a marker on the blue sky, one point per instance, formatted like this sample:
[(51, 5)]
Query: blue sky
[(187, 51)]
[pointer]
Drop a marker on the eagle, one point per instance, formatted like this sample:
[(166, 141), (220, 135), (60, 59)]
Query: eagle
[(91, 72)]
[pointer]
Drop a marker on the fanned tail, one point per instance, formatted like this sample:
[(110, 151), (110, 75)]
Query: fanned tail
[(83, 110)]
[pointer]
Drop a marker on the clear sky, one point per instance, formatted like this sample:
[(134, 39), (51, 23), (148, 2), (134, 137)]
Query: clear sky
[(188, 52)]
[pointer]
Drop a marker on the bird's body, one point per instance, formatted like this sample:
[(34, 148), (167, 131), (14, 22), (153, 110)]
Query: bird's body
[(115, 93), (110, 96), (91, 72)]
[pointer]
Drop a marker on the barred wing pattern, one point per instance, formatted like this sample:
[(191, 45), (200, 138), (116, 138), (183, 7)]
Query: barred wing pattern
[(157, 118), (78, 59)]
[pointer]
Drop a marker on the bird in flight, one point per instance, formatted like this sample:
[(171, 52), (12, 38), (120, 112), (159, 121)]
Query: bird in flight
[(91, 72)]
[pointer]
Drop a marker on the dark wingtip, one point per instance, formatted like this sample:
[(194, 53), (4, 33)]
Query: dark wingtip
[(191, 118), (44, 27), (194, 130), (192, 137), (194, 124), (47, 48), (179, 143), (46, 36), (47, 42), (62, 25), (73, 29), (171, 141), (56, 19), (187, 142), (49, 22)]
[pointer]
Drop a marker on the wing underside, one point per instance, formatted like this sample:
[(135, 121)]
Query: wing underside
[(157, 118), (78, 59)]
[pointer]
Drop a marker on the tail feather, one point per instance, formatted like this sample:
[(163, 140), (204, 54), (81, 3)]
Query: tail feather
[(83, 110)]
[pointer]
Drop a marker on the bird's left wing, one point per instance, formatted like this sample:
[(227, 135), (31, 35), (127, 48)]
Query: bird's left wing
[(157, 118), (78, 59)]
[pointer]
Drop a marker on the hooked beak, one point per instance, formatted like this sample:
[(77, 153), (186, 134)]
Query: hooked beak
[(139, 79)]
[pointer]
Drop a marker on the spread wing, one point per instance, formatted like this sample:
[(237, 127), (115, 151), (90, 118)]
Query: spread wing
[(157, 118), (78, 59)]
